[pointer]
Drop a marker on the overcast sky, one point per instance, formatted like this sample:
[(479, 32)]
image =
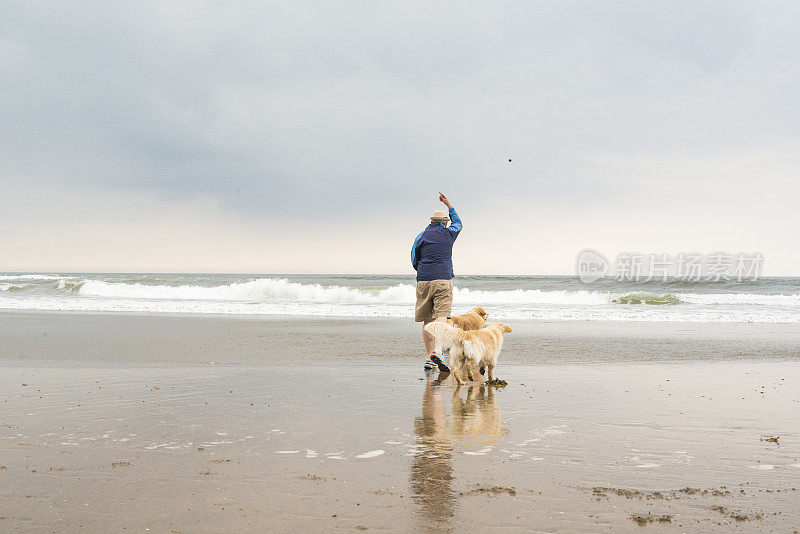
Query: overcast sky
[(314, 137)]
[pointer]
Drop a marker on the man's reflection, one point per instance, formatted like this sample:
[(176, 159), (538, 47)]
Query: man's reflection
[(431, 468)]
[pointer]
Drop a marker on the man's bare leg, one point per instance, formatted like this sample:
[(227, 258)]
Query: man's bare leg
[(431, 346), (429, 340)]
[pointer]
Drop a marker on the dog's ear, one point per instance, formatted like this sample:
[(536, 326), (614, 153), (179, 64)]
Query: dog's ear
[(481, 312)]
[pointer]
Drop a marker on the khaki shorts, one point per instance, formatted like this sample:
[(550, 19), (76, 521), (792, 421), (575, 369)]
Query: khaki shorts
[(434, 299)]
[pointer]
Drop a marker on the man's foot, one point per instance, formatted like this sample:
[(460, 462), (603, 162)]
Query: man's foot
[(438, 361), (429, 365)]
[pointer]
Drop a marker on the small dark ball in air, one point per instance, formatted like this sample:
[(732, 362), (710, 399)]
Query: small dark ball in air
[(509, 160)]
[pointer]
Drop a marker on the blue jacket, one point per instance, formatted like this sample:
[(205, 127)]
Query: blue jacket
[(432, 253)]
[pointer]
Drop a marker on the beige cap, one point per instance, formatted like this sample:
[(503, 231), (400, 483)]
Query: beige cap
[(440, 215)]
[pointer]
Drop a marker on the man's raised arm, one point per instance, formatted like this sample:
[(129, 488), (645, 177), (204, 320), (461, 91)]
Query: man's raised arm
[(455, 221)]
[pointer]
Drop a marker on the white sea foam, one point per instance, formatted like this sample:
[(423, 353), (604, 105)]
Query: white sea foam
[(371, 454), (29, 277), (281, 296), (282, 290), (499, 312), (741, 298), (261, 290)]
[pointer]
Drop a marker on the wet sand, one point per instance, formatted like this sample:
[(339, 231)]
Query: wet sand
[(91, 338), (186, 446)]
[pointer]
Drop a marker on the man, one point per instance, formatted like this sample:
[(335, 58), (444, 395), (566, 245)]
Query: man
[(432, 258)]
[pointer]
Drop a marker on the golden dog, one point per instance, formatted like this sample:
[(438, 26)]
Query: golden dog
[(471, 347), (474, 319)]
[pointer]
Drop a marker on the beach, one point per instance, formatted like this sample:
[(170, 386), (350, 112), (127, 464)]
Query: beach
[(200, 423), (219, 223), (148, 339)]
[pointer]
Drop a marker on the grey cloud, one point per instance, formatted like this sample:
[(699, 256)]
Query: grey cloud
[(338, 105)]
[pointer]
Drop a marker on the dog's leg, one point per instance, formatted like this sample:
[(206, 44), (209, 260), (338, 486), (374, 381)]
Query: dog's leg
[(466, 366), (455, 365), (457, 374), (452, 360), (490, 372), (458, 359), (461, 362)]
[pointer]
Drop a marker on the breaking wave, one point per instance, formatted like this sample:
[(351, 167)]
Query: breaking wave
[(282, 290), (261, 290), (646, 298), (12, 287), (375, 296)]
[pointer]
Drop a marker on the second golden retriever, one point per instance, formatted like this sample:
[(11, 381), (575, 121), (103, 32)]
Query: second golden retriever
[(475, 319)]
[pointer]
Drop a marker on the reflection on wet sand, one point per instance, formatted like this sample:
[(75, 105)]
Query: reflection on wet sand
[(477, 415), (431, 469)]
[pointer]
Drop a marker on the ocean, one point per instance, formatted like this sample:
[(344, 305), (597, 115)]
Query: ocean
[(544, 298)]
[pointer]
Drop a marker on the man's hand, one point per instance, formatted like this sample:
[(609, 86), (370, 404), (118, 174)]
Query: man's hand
[(444, 200)]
